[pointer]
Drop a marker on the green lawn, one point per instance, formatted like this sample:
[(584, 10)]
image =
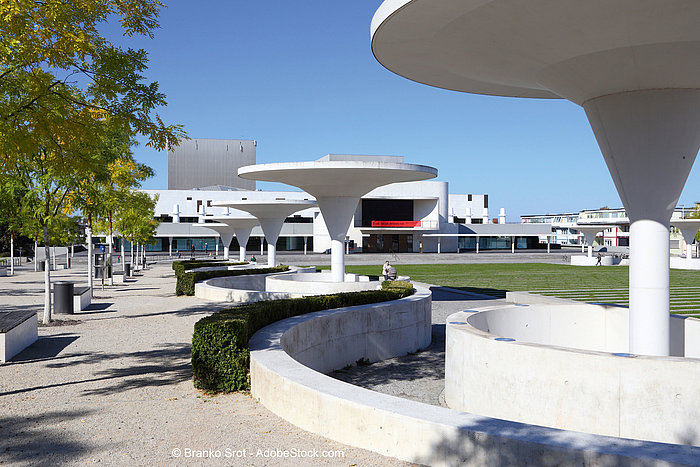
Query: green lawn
[(589, 284)]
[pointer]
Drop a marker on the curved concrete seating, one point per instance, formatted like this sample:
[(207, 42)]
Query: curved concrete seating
[(244, 289), (563, 364), (319, 283), (402, 428)]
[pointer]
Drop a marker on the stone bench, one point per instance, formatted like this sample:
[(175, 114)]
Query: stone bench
[(82, 298), (18, 330), (119, 276)]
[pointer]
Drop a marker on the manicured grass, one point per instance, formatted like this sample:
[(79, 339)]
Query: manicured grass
[(588, 284)]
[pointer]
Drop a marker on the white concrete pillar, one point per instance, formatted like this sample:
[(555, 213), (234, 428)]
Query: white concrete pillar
[(36, 257), (649, 140), (305, 242), (242, 235), (548, 242), (477, 244), (176, 213), (347, 247), (337, 214), (271, 228), (72, 251), (512, 244), (590, 251), (689, 251), (12, 254), (439, 244), (649, 288), (262, 245), (170, 246)]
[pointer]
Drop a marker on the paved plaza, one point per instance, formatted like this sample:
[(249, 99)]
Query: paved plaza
[(113, 385)]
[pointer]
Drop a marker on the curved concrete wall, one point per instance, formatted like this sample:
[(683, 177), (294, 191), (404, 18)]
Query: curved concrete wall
[(244, 289), (402, 428), (318, 284), (540, 378)]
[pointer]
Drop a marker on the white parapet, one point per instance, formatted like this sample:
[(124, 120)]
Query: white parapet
[(288, 359), (493, 367)]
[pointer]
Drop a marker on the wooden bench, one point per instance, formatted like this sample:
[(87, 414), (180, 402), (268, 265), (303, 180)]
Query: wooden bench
[(18, 330)]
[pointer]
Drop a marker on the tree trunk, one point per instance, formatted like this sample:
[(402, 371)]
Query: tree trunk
[(110, 243), (12, 254), (88, 231), (47, 277)]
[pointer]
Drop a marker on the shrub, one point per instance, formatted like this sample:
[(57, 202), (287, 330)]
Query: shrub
[(181, 266), (220, 353), (390, 285), (186, 280)]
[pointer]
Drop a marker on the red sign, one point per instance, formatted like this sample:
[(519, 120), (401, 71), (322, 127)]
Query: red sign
[(395, 223)]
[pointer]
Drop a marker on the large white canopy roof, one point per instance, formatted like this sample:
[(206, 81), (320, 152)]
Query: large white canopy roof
[(268, 209), (541, 48), (324, 178)]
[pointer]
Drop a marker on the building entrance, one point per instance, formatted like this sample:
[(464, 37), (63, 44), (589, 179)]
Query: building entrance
[(387, 243)]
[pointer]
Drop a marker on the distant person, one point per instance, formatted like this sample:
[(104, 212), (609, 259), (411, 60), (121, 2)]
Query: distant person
[(599, 258), (385, 270), (206, 247), (252, 259), (193, 250)]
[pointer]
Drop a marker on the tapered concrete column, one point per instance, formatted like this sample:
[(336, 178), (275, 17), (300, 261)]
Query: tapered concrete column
[(337, 214), (170, 246), (305, 242), (688, 228), (477, 244), (242, 235), (649, 140), (512, 244)]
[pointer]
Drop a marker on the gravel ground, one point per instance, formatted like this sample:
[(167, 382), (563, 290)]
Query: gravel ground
[(113, 385)]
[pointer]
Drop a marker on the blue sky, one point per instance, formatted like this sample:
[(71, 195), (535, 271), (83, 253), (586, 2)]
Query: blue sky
[(300, 78)]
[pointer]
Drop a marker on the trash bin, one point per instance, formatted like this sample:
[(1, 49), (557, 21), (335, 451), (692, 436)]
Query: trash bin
[(63, 298), (98, 272), (127, 269)]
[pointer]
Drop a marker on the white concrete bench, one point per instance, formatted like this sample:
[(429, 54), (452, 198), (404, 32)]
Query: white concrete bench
[(119, 276), (82, 298), (18, 330)]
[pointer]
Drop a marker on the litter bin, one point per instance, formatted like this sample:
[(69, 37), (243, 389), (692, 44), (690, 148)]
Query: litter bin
[(63, 298), (98, 272), (127, 269)]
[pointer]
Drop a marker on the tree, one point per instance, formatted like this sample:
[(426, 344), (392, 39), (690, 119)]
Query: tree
[(135, 219), (63, 89), (47, 47)]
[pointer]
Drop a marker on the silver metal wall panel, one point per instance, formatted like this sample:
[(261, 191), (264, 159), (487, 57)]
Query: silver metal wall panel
[(198, 163)]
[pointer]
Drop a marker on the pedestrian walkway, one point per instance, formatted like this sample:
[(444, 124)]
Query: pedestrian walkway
[(113, 385)]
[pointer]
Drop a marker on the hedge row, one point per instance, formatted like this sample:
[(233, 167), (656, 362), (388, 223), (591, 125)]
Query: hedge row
[(220, 353), (186, 280), (181, 266)]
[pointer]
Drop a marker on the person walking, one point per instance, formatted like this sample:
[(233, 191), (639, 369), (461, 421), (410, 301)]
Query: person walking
[(385, 270), (599, 258)]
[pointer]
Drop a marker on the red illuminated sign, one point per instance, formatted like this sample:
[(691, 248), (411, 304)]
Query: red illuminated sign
[(395, 223)]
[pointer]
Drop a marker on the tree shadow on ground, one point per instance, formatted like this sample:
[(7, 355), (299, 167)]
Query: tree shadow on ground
[(38, 440), (168, 364)]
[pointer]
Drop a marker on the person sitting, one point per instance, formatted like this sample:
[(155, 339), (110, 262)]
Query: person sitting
[(385, 270)]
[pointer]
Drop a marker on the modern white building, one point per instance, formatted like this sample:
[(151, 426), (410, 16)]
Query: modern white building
[(401, 217), (616, 233)]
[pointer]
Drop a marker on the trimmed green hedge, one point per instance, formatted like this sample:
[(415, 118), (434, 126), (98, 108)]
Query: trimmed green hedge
[(220, 353), (390, 285), (181, 266), (186, 280)]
